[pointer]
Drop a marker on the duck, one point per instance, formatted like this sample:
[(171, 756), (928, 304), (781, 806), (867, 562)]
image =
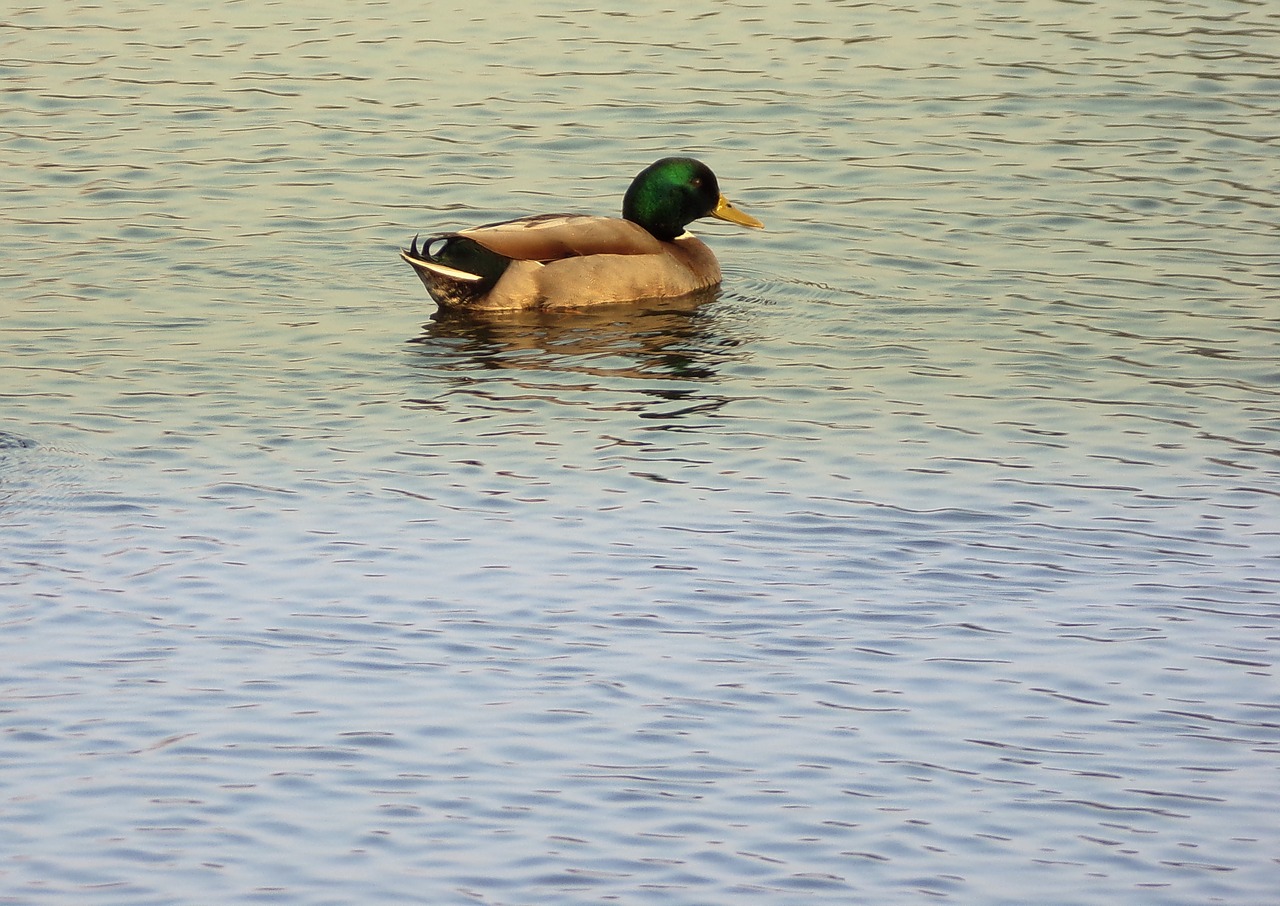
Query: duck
[(567, 261)]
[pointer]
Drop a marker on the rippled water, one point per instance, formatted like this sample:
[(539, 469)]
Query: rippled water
[(934, 558)]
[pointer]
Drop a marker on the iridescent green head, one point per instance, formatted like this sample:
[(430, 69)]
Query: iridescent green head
[(670, 194)]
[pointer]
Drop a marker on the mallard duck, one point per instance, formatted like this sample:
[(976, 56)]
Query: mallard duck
[(574, 260)]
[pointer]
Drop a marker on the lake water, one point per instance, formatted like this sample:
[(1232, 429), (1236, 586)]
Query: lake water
[(936, 558)]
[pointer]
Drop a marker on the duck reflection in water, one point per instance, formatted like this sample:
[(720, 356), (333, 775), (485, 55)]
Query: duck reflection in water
[(671, 338), (671, 346)]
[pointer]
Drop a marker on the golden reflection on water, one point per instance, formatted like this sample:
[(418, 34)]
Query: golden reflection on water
[(670, 338)]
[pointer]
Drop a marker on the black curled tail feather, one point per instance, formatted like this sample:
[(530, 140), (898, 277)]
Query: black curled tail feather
[(455, 269)]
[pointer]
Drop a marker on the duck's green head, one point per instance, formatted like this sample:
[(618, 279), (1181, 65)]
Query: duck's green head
[(669, 195)]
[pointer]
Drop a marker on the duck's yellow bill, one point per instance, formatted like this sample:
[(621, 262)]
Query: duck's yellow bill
[(726, 211)]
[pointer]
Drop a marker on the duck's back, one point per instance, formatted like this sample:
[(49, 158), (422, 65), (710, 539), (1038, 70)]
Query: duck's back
[(550, 237)]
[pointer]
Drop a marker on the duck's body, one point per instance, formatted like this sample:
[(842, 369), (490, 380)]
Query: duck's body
[(575, 261), (563, 261)]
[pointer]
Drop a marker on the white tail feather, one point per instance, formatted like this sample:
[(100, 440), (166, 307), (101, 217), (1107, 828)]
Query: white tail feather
[(442, 269)]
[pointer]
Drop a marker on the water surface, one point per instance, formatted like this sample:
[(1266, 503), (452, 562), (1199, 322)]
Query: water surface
[(934, 557)]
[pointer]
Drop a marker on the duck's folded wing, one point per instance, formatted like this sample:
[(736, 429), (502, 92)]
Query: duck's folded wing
[(552, 237)]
